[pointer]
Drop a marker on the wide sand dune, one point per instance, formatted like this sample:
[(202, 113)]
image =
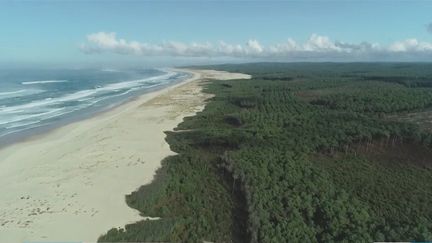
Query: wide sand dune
[(70, 184)]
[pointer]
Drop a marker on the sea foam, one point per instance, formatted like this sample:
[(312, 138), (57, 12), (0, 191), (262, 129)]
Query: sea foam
[(43, 82)]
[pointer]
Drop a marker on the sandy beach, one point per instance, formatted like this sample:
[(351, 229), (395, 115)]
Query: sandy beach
[(70, 183)]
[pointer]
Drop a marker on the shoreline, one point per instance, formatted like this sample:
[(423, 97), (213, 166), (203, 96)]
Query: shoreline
[(35, 132), (69, 184)]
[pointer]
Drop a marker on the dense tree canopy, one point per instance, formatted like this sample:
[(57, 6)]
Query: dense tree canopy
[(302, 152)]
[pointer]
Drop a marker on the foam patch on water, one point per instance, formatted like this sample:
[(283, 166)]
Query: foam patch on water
[(18, 93), (44, 82)]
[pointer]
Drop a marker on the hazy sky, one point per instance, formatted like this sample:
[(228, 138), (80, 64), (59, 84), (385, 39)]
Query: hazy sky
[(160, 31)]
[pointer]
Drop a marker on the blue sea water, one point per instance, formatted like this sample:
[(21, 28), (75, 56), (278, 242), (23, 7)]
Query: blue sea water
[(31, 99)]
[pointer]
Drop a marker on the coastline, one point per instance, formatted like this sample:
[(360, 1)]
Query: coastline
[(90, 112), (70, 183)]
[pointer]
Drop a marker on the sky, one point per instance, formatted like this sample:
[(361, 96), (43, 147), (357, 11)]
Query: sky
[(175, 32)]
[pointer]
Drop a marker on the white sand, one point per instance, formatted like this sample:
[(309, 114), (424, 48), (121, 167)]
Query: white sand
[(70, 184)]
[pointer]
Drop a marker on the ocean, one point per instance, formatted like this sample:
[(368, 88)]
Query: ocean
[(33, 100)]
